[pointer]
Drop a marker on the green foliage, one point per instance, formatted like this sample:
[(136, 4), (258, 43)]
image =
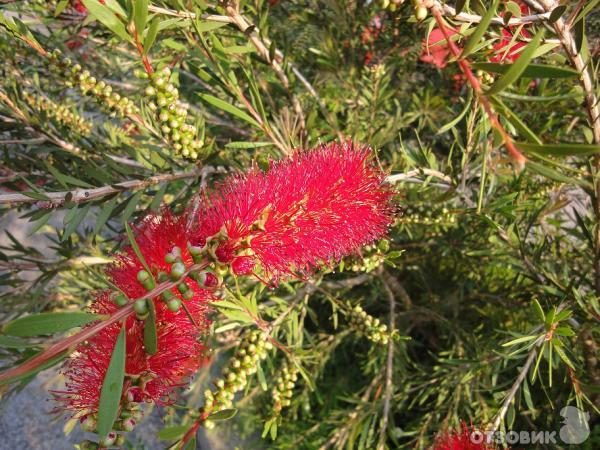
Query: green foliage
[(488, 268)]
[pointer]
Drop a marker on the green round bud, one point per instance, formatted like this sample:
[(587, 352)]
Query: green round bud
[(88, 445), (143, 276), (167, 295), (174, 304), (140, 306), (170, 258), (121, 299), (109, 440), (150, 91), (89, 424), (177, 270)]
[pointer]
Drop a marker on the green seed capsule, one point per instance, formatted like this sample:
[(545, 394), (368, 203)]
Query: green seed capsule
[(121, 300), (140, 307), (177, 270), (174, 304)]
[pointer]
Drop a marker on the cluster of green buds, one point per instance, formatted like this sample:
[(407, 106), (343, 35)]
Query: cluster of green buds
[(88, 85), (176, 273), (62, 114), (284, 386), (426, 216), (367, 325), (372, 256), (252, 349), (171, 113), (390, 5), (129, 416), (420, 9)]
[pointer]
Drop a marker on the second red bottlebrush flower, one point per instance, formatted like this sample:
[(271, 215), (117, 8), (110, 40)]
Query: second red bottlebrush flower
[(467, 438), (149, 378), (310, 209)]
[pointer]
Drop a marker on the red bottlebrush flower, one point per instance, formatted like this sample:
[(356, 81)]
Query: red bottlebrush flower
[(465, 439), (312, 208), (508, 48), (436, 50), (179, 355)]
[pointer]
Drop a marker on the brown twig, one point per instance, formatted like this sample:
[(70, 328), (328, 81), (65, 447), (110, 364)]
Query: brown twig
[(69, 343), (56, 199), (465, 67)]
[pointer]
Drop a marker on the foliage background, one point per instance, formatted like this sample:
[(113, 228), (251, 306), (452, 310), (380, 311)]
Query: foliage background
[(477, 243)]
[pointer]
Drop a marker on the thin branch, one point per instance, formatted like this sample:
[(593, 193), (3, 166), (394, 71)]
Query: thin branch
[(389, 370), (244, 25), (465, 67), (69, 343), (56, 199), (473, 18), (399, 177), (515, 387)]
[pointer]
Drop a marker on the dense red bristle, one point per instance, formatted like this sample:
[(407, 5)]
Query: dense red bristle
[(180, 352), (312, 208)]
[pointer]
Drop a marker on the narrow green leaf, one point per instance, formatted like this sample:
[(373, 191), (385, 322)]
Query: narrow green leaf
[(104, 215), (107, 17), (459, 5), (38, 369), (217, 102), (480, 30), (261, 377), (132, 203), (531, 71), (564, 356), (518, 67), (47, 323), (557, 13), (173, 433), (203, 27), (76, 220), (151, 35), (224, 414), (136, 248), (36, 195), (565, 149), (239, 49), (579, 31), (13, 342), (538, 310), (458, 118), (150, 336), (519, 340), (555, 175), (140, 15), (112, 387), (237, 144), (60, 7)]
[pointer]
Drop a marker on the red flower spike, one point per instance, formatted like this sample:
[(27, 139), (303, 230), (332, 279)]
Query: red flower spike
[(180, 354), (466, 438), (312, 208)]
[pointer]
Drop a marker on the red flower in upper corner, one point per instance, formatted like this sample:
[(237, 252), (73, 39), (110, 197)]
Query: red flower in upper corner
[(436, 50), (180, 353), (307, 210), (508, 48), (464, 439)]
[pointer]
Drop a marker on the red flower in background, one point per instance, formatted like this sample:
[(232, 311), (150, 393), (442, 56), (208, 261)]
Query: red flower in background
[(180, 353), (508, 47), (312, 208), (436, 50), (464, 439)]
